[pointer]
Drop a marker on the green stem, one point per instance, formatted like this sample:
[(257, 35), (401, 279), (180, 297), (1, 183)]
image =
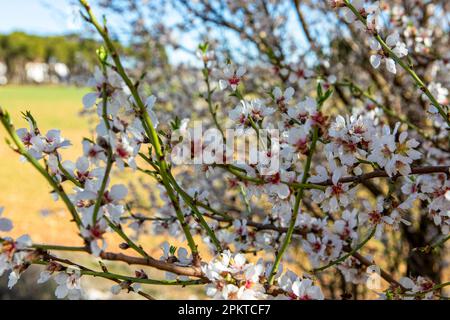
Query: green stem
[(123, 235), (197, 213), (296, 209), (101, 191), (209, 99), (350, 253), (113, 276), (145, 118)]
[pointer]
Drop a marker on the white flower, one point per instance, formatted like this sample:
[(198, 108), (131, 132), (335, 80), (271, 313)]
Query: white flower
[(351, 137), (149, 104), (303, 111), (276, 184), (282, 99), (336, 195), (300, 74), (112, 81), (255, 109), (69, 284), (346, 226), (239, 114), (420, 284), (305, 290), (232, 77), (394, 157), (116, 289), (298, 139), (258, 111), (377, 217), (5, 224), (50, 142), (93, 152), (44, 276), (440, 93), (298, 288), (370, 9)]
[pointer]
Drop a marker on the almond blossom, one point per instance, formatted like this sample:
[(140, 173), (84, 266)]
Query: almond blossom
[(398, 48), (232, 77)]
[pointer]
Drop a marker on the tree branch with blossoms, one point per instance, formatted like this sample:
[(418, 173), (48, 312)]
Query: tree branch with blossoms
[(245, 226)]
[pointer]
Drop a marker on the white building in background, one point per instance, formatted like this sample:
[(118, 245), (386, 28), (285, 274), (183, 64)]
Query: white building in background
[(3, 71), (37, 72), (61, 70)]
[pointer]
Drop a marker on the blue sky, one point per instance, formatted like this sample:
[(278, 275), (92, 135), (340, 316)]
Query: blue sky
[(50, 17), (47, 17), (38, 16)]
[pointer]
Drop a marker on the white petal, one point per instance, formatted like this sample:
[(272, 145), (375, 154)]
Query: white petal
[(390, 65), (392, 39), (82, 164), (61, 292), (289, 93), (277, 93), (240, 72), (13, 278), (374, 44), (118, 192), (223, 84), (375, 60), (150, 102), (89, 100), (44, 277)]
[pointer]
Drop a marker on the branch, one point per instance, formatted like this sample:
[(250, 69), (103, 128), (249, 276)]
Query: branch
[(383, 174)]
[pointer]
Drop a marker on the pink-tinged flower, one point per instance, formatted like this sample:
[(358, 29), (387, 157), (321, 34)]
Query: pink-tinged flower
[(276, 184), (94, 235), (394, 156), (69, 284), (335, 196), (232, 77), (50, 142), (93, 152), (346, 227), (350, 139), (414, 287), (298, 139), (255, 109), (300, 74), (297, 288), (113, 83), (303, 112), (370, 11), (282, 98), (398, 47), (125, 150)]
